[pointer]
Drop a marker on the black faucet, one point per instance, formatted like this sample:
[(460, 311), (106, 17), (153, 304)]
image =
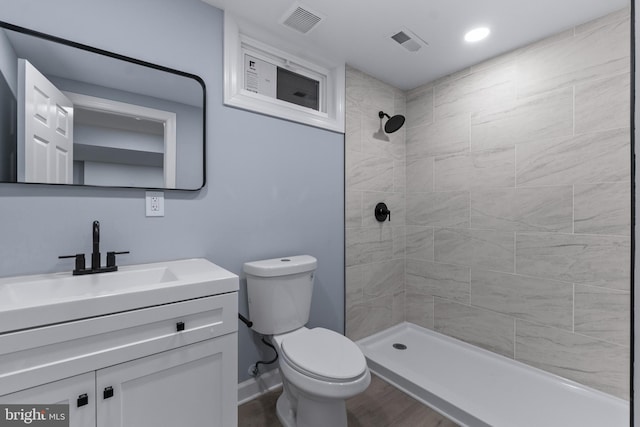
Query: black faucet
[(95, 257)]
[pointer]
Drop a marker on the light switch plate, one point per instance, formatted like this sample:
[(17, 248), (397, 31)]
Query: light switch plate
[(154, 201)]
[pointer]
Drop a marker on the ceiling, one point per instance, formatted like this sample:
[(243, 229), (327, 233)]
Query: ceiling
[(358, 31)]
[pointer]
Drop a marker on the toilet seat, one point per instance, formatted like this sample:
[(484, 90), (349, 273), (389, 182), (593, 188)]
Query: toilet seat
[(324, 355)]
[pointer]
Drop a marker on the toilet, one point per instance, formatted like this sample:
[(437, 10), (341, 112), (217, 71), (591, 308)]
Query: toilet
[(320, 368)]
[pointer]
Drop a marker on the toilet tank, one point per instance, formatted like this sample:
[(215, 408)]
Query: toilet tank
[(279, 292)]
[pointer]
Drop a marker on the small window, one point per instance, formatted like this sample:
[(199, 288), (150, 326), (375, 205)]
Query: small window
[(261, 78)]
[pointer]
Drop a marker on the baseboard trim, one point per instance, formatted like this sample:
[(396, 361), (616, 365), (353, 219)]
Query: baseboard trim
[(254, 387)]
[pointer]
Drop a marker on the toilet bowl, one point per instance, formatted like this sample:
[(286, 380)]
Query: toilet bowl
[(319, 368)]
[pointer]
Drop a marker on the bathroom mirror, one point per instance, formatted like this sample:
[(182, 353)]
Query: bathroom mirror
[(73, 114)]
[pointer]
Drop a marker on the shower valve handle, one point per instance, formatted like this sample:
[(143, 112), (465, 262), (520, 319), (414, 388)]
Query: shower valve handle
[(382, 212)]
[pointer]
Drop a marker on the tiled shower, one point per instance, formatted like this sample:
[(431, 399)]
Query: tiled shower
[(509, 192)]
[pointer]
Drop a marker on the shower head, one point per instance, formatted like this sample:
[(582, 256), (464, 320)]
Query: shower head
[(394, 123)]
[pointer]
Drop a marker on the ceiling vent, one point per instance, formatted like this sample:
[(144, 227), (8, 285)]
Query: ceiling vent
[(301, 19), (408, 40)]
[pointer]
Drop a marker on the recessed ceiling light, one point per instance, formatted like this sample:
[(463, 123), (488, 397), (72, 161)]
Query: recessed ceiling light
[(477, 34)]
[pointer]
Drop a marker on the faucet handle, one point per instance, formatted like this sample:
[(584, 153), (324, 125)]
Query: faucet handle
[(111, 257), (80, 262)]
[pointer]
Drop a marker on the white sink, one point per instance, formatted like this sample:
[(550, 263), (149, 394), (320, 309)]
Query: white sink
[(29, 301)]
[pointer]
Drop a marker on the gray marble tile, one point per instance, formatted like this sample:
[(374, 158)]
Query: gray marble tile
[(353, 209), (476, 92), (354, 284), (451, 77), (448, 209), (383, 278), (488, 249), (603, 314), (353, 131), (442, 280), (603, 104), (588, 55), (420, 175), (369, 317), (420, 106), (399, 176), (490, 168), (603, 208), (587, 259), (395, 203), (503, 60), (583, 359), (419, 309), (539, 300), (393, 149), (477, 326), (611, 18), (355, 92), (398, 308), (398, 241), (419, 241), (523, 209), (544, 116), (588, 158), (545, 42), (446, 136), (367, 172), (366, 245)]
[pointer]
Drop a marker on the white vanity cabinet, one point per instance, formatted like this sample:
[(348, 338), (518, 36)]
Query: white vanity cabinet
[(173, 364)]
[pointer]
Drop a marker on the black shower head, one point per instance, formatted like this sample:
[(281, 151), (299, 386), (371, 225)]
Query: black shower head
[(394, 123)]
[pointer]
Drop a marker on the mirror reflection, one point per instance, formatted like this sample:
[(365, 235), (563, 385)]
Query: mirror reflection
[(70, 114)]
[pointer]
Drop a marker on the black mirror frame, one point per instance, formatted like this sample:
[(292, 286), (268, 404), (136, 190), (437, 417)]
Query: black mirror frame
[(23, 30)]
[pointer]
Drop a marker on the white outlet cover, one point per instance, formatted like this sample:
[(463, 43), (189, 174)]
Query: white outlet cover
[(154, 203)]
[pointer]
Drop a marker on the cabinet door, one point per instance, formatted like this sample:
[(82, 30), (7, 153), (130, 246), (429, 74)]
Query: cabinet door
[(71, 391), (191, 386)]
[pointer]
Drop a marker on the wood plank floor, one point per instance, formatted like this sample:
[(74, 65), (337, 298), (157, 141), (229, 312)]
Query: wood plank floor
[(381, 405)]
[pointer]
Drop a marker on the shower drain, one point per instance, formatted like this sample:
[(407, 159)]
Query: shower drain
[(399, 346)]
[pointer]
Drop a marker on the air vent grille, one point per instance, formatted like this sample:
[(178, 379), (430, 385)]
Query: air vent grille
[(301, 19), (408, 40)]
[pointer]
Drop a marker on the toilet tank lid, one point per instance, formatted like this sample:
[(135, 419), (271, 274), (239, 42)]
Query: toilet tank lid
[(281, 266)]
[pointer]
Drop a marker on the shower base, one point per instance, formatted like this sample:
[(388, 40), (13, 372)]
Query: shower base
[(475, 387)]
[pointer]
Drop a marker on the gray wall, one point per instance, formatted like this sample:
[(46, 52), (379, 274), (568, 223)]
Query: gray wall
[(274, 187)]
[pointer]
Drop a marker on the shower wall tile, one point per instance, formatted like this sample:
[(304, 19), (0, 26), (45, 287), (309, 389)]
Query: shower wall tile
[(611, 18), (367, 172), (395, 203), (419, 309), (588, 158), (591, 96), (420, 175), (353, 131), (477, 326), (446, 136), (488, 249), (369, 317), (603, 314), (399, 176), (603, 208), (475, 92), (448, 209), (586, 259), (353, 209), (491, 168), (354, 285), (420, 106), (588, 55), (398, 308), (398, 241), (543, 301), (383, 278), (442, 280), (366, 245), (393, 149), (583, 359), (419, 243), (545, 116), (523, 209)]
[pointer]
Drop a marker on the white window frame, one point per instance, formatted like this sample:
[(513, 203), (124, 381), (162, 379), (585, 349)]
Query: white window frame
[(332, 82)]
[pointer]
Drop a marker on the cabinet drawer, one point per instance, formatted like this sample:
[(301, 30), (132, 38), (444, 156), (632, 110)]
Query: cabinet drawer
[(40, 355)]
